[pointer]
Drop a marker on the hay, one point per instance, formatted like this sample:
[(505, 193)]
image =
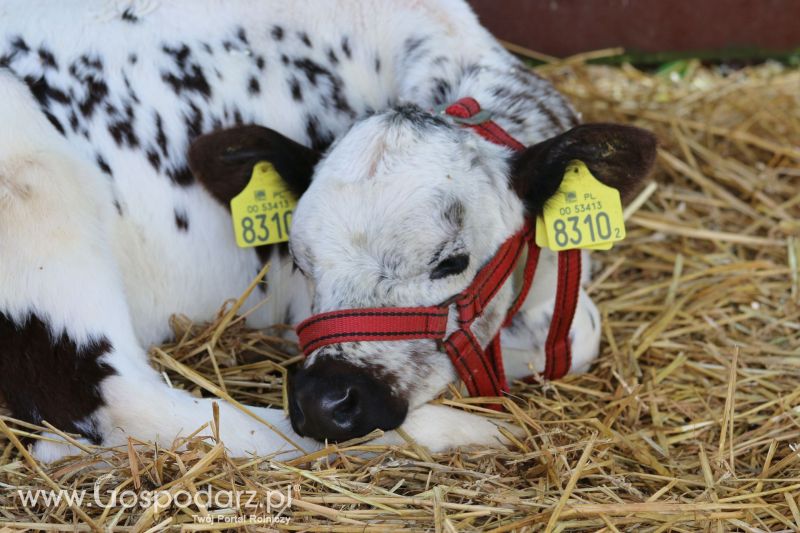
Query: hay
[(689, 420)]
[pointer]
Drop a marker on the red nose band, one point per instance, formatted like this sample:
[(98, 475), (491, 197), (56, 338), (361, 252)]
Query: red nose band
[(379, 324), (480, 367)]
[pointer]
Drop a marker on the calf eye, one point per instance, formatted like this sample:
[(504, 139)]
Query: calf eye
[(455, 264), (295, 266)]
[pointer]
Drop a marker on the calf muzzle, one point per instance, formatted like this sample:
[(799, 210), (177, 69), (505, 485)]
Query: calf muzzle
[(335, 400)]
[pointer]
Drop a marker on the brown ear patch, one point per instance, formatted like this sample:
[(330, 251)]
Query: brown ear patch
[(223, 160), (619, 156)]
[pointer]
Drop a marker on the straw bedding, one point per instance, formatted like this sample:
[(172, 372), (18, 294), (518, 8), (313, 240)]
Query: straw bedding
[(689, 421)]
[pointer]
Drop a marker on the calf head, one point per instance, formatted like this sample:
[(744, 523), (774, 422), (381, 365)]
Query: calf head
[(402, 212)]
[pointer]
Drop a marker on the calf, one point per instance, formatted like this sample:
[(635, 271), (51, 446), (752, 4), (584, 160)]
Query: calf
[(107, 227)]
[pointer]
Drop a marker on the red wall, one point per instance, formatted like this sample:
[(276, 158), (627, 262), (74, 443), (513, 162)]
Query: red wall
[(565, 27)]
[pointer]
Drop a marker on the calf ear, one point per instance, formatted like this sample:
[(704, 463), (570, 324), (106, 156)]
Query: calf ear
[(619, 156), (223, 160)]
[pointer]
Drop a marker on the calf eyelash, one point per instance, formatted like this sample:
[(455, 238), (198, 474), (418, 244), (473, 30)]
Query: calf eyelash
[(450, 266)]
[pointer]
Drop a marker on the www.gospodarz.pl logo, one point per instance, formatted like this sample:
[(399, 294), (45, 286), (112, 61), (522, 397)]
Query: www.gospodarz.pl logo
[(271, 504)]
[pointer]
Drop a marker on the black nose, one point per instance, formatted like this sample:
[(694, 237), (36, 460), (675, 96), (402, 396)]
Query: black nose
[(335, 400)]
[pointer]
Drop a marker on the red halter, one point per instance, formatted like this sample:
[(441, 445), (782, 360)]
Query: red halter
[(480, 369)]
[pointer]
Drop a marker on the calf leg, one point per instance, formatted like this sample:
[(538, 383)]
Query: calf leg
[(523, 342), (68, 353)]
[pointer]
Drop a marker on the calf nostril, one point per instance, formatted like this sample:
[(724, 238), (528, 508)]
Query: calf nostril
[(347, 408)]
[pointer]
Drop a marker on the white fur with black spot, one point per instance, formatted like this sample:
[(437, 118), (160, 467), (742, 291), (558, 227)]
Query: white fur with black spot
[(88, 230)]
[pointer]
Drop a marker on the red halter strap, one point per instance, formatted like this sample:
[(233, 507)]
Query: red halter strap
[(480, 369), (379, 324)]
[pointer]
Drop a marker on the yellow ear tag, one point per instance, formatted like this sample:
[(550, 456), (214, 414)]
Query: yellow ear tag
[(584, 213), (262, 212)]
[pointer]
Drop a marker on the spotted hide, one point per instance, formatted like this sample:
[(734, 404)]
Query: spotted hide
[(127, 126)]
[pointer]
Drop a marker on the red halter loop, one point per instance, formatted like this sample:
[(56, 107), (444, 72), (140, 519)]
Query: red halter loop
[(480, 369)]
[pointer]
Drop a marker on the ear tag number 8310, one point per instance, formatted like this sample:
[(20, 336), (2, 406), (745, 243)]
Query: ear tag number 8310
[(584, 213), (262, 212)]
